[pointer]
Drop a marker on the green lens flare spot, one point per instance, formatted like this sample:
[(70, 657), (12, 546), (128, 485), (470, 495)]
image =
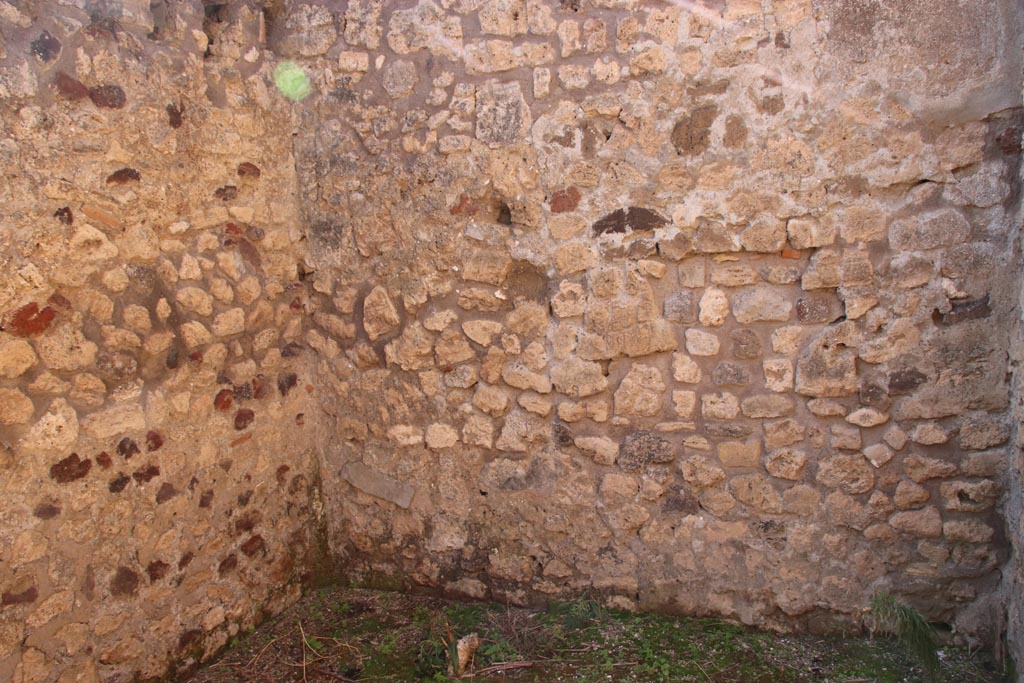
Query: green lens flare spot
[(292, 81)]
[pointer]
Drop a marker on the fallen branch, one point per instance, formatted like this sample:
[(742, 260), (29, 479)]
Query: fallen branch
[(304, 646), (259, 654)]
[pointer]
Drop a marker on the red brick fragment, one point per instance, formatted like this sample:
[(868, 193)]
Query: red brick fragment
[(249, 170), (565, 200), (146, 474), (70, 469), (154, 441), (244, 418), (124, 583), (223, 400), (69, 87), (29, 595), (157, 569), (29, 320), (240, 440), (465, 207), (46, 511), (255, 545)]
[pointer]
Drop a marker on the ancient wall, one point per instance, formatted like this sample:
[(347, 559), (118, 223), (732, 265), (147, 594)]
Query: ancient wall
[(155, 461), (1013, 577), (691, 306)]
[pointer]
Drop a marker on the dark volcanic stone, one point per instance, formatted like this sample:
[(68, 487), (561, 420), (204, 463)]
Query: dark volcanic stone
[(640, 449), (122, 176), (46, 47), (905, 381), (692, 134), (108, 96), (627, 220), (745, 344)]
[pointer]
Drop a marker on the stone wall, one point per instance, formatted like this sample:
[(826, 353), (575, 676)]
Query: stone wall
[(156, 470), (690, 306), (1013, 577)]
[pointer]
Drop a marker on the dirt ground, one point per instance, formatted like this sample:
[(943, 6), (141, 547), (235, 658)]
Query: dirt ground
[(346, 635)]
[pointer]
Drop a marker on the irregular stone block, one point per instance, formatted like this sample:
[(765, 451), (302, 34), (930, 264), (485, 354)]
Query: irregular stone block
[(378, 485)]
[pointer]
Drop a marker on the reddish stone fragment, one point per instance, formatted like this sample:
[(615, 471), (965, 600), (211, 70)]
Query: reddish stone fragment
[(196, 357), (69, 87), (154, 441), (465, 207), (146, 474), (259, 387), (240, 440), (248, 170), (189, 638), (250, 253), (281, 474), (108, 96), (223, 400), (118, 484), (46, 511), (166, 492), (29, 595), (124, 583), (255, 545), (126, 448), (287, 382), (565, 200), (790, 253), (70, 469), (300, 419), (244, 418), (157, 570), (64, 215), (59, 302), (186, 559), (228, 564), (123, 175), (206, 498), (174, 119), (248, 521), (29, 320)]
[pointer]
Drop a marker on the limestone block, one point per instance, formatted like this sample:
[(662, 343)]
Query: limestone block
[(15, 407), (378, 485), (578, 378), (641, 392), (380, 317)]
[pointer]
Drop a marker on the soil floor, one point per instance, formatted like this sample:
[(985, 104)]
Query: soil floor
[(344, 635)]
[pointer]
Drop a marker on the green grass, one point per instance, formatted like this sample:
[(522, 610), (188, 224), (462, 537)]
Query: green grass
[(370, 636)]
